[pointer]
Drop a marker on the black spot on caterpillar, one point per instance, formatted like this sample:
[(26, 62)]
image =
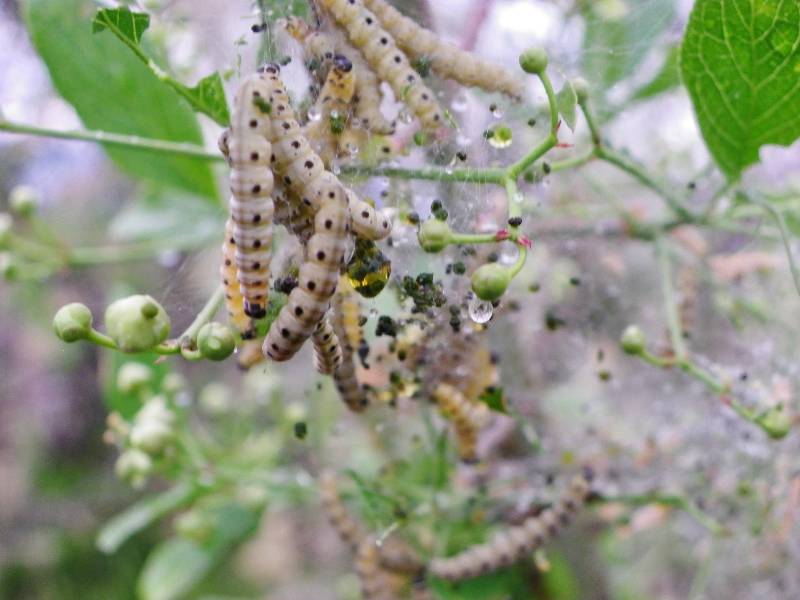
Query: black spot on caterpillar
[(511, 544), (347, 326), (446, 59), (251, 183), (365, 220), (386, 59), (234, 302), (327, 348), (468, 418)]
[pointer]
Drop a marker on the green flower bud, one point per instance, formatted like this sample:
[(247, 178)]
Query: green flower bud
[(195, 526), (775, 422), (73, 322), (174, 383), (490, 281), (533, 60), (23, 200), (156, 409), (133, 466), (434, 235), (581, 87), (214, 399), (9, 267), (132, 377), (215, 341), (632, 340), (137, 323), (6, 225)]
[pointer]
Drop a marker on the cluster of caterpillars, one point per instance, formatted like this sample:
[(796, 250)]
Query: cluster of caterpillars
[(390, 568)]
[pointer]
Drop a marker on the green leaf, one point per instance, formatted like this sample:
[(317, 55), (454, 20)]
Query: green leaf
[(619, 34), (112, 91), (667, 78), (207, 97), (494, 398), (143, 513), (567, 100), (122, 22), (164, 217), (177, 565), (740, 62)]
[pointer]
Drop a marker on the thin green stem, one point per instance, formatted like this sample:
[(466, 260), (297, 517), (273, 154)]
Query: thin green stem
[(777, 216), (495, 176), (101, 339), (205, 315), (574, 162), (103, 255), (526, 161), (670, 305), (116, 139), (551, 101), (597, 140), (520, 262), (671, 500), (514, 204), (473, 238)]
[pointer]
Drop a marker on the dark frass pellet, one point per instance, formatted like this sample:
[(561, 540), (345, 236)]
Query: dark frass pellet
[(386, 326), (300, 430), (515, 221)]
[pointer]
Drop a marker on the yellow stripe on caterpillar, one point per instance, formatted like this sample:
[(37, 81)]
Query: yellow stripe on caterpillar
[(327, 348), (234, 302), (468, 418), (386, 59), (251, 182), (446, 59), (347, 326)]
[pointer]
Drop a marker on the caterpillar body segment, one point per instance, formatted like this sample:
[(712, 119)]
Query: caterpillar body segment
[(468, 418), (349, 530), (317, 279), (234, 302), (346, 325), (386, 59), (251, 182), (333, 103), (446, 59), (327, 348), (297, 217), (512, 544), (376, 583), (365, 221)]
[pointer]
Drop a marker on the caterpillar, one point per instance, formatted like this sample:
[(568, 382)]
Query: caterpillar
[(251, 182), (468, 418), (511, 544), (346, 325), (446, 59), (321, 47), (327, 349), (234, 302), (375, 581), (332, 104), (387, 60), (349, 530), (365, 220)]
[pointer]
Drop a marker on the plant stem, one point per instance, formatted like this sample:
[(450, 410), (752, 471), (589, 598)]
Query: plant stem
[(526, 161), (116, 139), (103, 255), (204, 316), (592, 123), (670, 305), (551, 101), (671, 500), (473, 238), (777, 216), (491, 175), (575, 161), (101, 339)]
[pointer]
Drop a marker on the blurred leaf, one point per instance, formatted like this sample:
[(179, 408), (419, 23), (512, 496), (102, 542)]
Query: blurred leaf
[(128, 404), (619, 34), (177, 565), (506, 584), (567, 101), (741, 69), (667, 78), (494, 398), (560, 580), (207, 97), (164, 216), (112, 91), (140, 515)]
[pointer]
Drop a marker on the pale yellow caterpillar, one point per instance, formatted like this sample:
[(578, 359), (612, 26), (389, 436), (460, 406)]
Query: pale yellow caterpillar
[(251, 182), (234, 302), (346, 325), (331, 110), (514, 543), (327, 348), (468, 418), (386, 59), (322, 46), (446, 59), (365, 220)]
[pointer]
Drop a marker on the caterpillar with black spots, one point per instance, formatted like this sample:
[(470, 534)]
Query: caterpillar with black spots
[(346, 325), (514, 543), (386, 59), (468, 418), (327, 348), (320, 47), (251, 181), (367, 222), (446, 59), (234, 301)]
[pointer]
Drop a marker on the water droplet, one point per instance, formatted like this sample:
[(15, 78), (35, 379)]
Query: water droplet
[(336, 168), (480, 311), (501, 137), (314, 113), (509, 254), (496, 111), (460, 102), (405, 116)]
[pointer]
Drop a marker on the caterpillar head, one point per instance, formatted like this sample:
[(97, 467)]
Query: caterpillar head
[(296, 27), (342, 63)]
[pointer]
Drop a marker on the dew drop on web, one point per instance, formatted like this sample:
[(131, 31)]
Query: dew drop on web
[(480, 311)]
